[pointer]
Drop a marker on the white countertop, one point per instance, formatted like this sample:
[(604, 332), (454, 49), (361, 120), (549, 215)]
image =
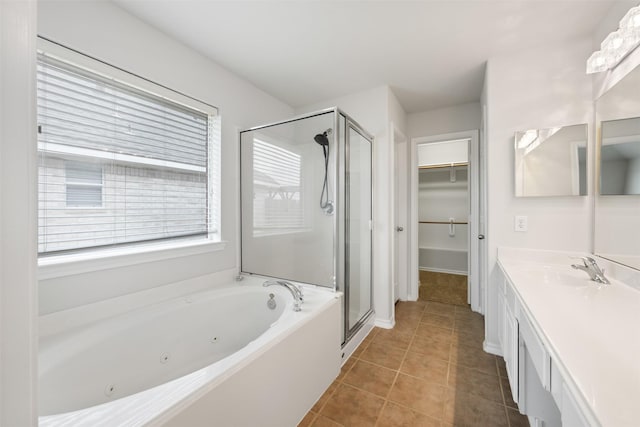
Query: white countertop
[(592, 330)]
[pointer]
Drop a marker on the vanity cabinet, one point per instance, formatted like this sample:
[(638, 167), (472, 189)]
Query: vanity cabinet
[(509, 336), (536, 383)]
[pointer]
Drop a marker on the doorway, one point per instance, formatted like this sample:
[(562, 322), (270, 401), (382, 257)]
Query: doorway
[(444, 247)]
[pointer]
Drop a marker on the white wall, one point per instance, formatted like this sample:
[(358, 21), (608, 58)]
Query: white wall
[(538, 88), (18, 292), (106, 32), (374, 109), (453, 119)]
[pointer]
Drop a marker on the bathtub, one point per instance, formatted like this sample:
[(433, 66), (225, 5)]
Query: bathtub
[(218, 357)]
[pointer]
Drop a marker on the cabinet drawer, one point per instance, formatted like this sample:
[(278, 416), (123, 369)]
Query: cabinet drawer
[(539, 356)]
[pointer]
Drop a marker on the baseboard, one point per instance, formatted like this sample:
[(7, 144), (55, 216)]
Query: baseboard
[(385, 323), (444, 270), (492, 348)]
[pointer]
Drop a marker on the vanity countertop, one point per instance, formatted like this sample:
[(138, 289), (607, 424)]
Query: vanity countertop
[(592, 330)]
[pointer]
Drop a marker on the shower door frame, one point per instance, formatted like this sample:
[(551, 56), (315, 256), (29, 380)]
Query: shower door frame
[(352, 124)]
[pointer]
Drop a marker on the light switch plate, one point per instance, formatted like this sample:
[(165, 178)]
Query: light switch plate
[(520, 223)]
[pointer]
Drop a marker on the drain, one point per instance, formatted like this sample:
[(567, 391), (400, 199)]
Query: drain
[(109, 390), (164, 358), (271, 303)]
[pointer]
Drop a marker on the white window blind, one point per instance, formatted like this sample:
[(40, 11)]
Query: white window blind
[(137, 164), (84, 184), (277, 205)]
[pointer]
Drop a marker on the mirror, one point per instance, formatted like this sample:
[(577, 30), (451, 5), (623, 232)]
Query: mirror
[(620, 157), (617, 203), (551, 162)]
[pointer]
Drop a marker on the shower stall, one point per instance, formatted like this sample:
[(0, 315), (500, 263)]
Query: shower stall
[(306, 207)]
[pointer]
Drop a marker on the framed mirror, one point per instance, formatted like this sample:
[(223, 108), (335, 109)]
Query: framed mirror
[(551, 162), (617, 200), (620, 157)]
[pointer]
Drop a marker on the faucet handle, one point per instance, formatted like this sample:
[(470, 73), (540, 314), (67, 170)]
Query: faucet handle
[(587, 261)]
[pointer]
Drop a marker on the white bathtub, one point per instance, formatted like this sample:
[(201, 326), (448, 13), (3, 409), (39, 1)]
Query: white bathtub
[(193, 361)]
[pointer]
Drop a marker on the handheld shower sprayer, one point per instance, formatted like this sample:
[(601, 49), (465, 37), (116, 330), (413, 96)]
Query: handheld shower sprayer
[(323, 140)]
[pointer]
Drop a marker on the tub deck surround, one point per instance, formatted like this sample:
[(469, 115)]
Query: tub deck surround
[(590, 330), (103, 361)]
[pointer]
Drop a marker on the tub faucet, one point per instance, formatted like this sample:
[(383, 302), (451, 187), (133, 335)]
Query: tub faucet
[(591, 267), (296, 292)]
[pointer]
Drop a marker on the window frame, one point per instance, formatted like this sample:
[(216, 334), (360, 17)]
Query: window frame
[(98, 258)]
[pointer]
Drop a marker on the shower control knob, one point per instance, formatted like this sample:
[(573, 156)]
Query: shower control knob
[(398, 228)]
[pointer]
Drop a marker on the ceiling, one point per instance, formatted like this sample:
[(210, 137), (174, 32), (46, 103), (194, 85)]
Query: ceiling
[(431, 53)]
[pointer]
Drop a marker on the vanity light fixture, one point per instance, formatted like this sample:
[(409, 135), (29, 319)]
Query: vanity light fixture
[(617, 44)]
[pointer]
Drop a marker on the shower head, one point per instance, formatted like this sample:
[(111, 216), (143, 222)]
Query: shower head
[(322, 139)]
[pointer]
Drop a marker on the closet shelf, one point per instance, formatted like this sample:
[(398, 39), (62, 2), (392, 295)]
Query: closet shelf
[(444, 165), (442, 222)]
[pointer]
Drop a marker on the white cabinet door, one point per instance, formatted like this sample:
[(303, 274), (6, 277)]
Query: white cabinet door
[(510, 349)]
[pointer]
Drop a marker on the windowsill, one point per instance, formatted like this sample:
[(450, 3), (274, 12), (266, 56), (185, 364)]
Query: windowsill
[(70, 264)]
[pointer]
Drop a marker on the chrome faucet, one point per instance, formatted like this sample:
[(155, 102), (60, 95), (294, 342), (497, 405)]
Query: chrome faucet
[(296, 292), (591, 267)]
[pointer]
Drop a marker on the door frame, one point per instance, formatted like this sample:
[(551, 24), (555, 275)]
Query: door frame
[(475, 268), (401, 219)]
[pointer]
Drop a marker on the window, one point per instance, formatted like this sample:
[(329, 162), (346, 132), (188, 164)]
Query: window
[(83, 184), (277, 204), (119, 163)]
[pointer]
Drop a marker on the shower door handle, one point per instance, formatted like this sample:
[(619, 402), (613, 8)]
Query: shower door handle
[(481, 236), (398, 228)]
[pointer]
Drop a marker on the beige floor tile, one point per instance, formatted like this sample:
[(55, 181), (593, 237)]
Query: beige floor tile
[(380, 354), (410, 308), (502, 367), (393, 338), (426, 330), (420, 395), (431, 347), (358, 351), (406, 326), (467, 410), (394, 415), (371, 335), (473, 358), (516, 419), (325, 397), (440, 308), (506, 393), (475, 382), (437, 320), (308, 419), (372, 378), (468, 338), (430, 369), (346, 367), (322, 421), (352, 407)]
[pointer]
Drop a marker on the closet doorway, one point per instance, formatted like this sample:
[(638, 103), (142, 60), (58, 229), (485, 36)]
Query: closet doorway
[(445, 218)]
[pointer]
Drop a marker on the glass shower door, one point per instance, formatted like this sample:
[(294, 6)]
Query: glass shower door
[(359, 298), (287, 200)]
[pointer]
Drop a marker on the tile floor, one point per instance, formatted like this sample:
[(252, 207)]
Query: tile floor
[(443, 287), (429, 370)]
